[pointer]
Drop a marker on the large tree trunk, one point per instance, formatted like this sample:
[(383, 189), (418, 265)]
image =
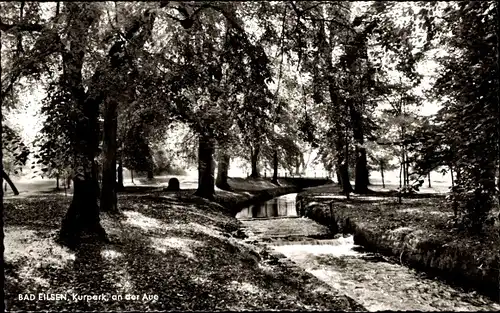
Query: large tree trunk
[(206, 168), (222, 171), (275, 167), (343, 175), (340, 143), (11, 184), (361, 179), (82, 219), (119, 185), (109, 201), (361, 171), (150, 174), (255, 161)]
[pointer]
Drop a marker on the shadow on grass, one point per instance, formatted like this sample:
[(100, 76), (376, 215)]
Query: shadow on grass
[(38, 211), (180, 254)]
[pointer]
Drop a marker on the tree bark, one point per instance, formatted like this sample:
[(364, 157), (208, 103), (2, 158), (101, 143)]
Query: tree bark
[(82, 219), (343, 174), (361, 180), (206, 168), (275, 167), (150, 174), (222, 171), (11, 184), (255, 161), (109, 200), (119, 185), (361, 171)]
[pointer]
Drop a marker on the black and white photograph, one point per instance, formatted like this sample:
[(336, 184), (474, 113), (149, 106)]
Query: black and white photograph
[(250, 156)]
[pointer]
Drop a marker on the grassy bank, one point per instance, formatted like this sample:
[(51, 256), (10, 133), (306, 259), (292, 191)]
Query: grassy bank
[(245, 192), (166, 253), (417, 233)]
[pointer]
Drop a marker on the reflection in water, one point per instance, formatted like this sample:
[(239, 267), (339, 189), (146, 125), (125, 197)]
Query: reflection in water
[(283, 206)]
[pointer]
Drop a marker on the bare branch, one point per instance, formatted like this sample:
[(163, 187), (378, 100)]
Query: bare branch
[(29, 27)]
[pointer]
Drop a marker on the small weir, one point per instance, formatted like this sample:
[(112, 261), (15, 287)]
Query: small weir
[(371, 279)]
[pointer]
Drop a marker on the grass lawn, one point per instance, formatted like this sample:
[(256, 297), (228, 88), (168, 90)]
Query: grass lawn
[(165, 254), (419, 231)]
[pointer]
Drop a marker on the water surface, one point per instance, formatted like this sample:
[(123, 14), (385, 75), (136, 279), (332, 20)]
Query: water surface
[(283, 206)]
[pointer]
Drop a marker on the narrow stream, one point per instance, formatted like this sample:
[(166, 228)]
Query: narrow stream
[(369, 278), (280, 207)]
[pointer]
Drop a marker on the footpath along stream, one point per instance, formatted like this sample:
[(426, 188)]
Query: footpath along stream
[(372, 280)]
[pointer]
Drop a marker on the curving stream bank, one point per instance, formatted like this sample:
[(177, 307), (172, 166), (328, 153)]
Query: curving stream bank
[(372, 280)]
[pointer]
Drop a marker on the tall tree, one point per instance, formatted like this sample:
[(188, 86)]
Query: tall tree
[(469, 79)]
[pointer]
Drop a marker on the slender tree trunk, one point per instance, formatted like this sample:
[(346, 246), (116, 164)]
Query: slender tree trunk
[(429, 179), (400, 183), (255, 161), (402, 169), (2, 236), (206, 168), (119, 185), (132, 176), (275, 167), (150, 174), (57, 183), (452, 178), (109, 199), (407, 168), (222, 171), (11, 184), (382, 174)]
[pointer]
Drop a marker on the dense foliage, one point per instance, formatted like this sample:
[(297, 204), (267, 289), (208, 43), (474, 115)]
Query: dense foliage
[(265, 81)]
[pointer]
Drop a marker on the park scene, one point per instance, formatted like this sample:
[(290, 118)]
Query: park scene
[(253, 155)]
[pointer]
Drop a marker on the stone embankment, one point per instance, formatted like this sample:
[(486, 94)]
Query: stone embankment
[(416, 233)]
